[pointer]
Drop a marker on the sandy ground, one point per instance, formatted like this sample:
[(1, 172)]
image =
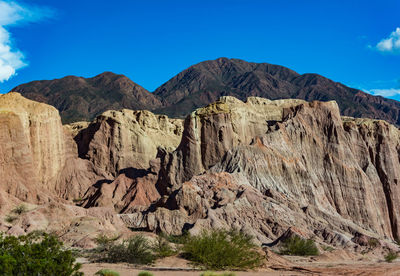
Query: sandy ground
[(175, 267)]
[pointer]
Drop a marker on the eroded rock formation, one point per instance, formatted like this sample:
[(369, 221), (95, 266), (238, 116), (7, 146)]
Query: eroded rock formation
[(303, 166), (260, 166), (117, 140)]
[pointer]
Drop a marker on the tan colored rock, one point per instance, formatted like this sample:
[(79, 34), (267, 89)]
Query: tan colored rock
[(32, 146), (308, 169), (213, 130), (74, 225), (123, 139), (76, 127), (77, 174)]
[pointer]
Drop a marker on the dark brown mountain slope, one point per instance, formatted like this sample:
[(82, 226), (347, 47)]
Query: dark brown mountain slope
[(205, 82), (80, 99)]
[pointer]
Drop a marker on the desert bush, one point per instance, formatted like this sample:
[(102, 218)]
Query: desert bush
[(177, 239), (20, 209), (10, 218), (103, 241), (299, 247), (327, 248), (136, 250), (391, 256), (210, 273), (162, 248), (220, 249), (145, 273), (107, 272), (373, 243), (36, 254), (77, 200)]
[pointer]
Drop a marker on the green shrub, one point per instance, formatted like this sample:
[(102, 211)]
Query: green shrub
[(390, 257), (210, 273), (136, 250), (77, 200), (10, 218), (105, 241), (107, 272), (20, 209), (373, 243), (299, 247), (220, 249), (162, 248), (180, 239), (327, 248), (36, 254), (145, 273)]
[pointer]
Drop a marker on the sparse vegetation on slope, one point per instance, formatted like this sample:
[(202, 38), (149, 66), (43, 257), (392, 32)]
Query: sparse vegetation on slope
[(220, 249), (162, 248), (20, 209), (135, 250), (391, 256), (299, 247)]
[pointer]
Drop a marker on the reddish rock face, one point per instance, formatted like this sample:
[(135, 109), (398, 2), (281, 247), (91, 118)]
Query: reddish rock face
[(132, 190), (306, 167), (39, 167), (260, 166)]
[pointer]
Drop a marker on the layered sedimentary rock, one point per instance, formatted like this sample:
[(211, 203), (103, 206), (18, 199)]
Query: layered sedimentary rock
[(240, 165), (117, 140), (40, 168), (213, 130), (132, 190), (32, 145), (260, 166)]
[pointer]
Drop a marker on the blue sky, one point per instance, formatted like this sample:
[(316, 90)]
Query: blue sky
[(353, 42)]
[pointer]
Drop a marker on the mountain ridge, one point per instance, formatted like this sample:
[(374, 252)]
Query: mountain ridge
[(202, 84)]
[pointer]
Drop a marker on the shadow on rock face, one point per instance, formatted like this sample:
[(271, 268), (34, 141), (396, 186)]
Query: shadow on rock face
[(134, 173)]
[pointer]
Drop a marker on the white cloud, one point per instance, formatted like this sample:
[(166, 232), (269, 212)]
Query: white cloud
[(385, 92), (12, 13), (390, 44)]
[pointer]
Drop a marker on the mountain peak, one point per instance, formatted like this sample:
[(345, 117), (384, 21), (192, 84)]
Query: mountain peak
[(80, 98)]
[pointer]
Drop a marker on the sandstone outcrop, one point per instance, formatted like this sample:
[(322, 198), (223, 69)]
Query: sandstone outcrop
[(40, 168), (305, 166), (213, 130), (132, 190), (259, 166), (32, 146), (117, 140)]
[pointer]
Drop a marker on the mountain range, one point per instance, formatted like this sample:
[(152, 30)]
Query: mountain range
[(82, 99)]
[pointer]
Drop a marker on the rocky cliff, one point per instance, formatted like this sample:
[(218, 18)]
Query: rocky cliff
[(260, 166), (32, 145), (272, 165), (118, 140), (40, 167)]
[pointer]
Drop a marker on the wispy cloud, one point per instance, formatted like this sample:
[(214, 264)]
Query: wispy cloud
[(391, 92), (12, 13), (390, 44), (385, 88)]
